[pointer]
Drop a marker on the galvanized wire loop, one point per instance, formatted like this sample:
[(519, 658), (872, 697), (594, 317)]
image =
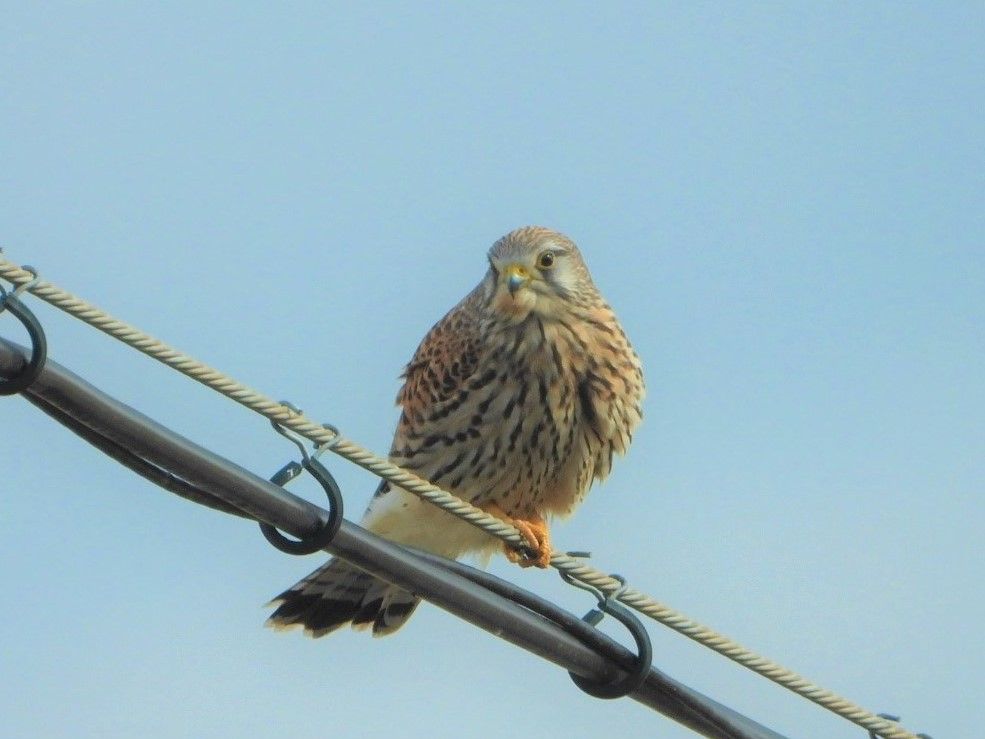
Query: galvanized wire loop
[(19, 289), (291, 436), (25, 286), (326, 446)]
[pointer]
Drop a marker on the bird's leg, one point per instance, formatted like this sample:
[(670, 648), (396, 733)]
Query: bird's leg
[(534, 529)]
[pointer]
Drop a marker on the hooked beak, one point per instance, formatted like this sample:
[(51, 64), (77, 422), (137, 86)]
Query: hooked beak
[(516, 276)]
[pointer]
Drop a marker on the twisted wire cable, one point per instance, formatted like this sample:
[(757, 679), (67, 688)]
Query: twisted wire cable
[(323, 435)]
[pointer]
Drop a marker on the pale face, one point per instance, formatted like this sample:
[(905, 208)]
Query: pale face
[(533, 278)]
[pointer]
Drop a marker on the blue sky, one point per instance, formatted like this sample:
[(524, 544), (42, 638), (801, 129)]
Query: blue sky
[(783, 201)]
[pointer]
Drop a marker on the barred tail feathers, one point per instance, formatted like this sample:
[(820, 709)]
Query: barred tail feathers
[(339, 593)]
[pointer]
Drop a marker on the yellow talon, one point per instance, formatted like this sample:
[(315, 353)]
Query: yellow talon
[(534, 529)]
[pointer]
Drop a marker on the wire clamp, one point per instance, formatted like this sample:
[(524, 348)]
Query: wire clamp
[(609, 604), (321, 538), (39, 343)]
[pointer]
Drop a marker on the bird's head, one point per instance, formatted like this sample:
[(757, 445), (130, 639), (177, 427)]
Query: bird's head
[(536, 270)]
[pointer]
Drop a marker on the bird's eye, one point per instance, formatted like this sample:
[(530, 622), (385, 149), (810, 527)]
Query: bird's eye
[(546, 260)]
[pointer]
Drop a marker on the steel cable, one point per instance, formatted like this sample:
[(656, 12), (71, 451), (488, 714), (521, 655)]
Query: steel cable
[(332, 439)]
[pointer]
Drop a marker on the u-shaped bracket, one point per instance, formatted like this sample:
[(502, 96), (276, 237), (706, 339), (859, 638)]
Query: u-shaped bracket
[(321, 538), (633, 679), (39, 345)]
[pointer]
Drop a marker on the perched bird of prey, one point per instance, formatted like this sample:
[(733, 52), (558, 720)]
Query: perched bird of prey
[(515, 401)]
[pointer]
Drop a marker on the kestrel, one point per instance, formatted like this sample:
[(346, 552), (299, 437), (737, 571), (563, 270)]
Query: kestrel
[(515, 401)]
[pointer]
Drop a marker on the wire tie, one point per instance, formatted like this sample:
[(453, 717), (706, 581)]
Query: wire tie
[(324, 446), (29, 285), (19, 289), (579, 555), (290, 435)]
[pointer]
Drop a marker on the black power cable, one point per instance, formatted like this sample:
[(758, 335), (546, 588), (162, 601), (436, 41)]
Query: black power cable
[(524, 619)]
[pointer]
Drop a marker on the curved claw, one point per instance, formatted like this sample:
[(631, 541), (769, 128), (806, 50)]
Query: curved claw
[(538, 538), (534, 529)]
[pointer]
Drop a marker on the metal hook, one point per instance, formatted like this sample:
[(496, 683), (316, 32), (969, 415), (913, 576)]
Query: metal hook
[(29, 285), (609, 604), (321, 538), (16, 292), (39, 343), (290, 435), (330, 444)]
